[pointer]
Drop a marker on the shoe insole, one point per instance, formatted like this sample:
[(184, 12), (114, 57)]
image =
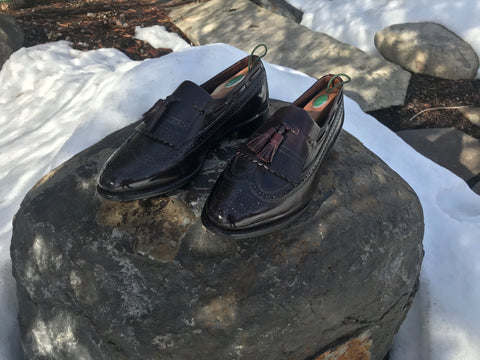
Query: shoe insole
[(223, 89), (320, 105)]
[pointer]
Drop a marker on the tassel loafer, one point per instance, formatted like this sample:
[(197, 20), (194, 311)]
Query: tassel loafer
[(272, 178), (169, 146)]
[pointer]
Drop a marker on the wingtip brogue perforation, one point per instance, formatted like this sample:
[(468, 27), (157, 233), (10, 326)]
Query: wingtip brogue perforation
[(272, 178)]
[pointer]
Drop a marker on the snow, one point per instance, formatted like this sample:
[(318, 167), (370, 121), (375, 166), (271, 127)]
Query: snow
[(159, 37), (56, 101), (356, 22), (443, 322)]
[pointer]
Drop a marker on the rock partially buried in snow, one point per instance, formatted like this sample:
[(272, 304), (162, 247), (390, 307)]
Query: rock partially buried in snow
[(11, 4), (428, 48), (448, 147), (11, 37), (144, 279)]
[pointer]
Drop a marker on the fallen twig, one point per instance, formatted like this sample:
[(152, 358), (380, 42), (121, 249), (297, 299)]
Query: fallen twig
[(440, 108)]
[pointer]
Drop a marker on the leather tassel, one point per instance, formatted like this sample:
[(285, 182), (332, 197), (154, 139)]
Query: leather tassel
[(260, 141), (150, 112), (266, 154), (151, 117)]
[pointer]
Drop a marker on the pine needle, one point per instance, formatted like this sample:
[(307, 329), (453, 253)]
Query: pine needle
[(440, 108)]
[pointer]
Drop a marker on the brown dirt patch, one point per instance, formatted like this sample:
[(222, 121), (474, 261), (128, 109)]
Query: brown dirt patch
[(427, 93), (95, 24)]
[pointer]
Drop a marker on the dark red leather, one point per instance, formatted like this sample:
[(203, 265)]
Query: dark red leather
[(254, 195), (168, 148)]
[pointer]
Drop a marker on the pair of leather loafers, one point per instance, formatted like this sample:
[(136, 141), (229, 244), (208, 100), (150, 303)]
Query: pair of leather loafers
[(271, 179)]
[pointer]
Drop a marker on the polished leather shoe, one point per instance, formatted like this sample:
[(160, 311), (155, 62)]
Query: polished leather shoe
[(169, 146), (273, 177)]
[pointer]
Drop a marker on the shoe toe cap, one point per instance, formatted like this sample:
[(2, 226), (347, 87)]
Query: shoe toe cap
[(233, 206), (110, 181), (120, 172)]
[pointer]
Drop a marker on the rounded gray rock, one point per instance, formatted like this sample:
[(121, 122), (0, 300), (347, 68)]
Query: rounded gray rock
[(11, 37), (428, 48), (145, 280), (12, 4)]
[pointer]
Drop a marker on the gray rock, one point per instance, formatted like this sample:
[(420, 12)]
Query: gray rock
[(472, 114), (12, 4), (144, 279), (376, 83), (476, 188), (281, 7), (448, 147), (428, 48), (11, 37)]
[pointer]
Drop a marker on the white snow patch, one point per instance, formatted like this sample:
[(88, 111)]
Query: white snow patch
[(159, 37)]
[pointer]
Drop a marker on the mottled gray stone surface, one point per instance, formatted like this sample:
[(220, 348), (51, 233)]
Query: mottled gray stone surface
[(428, 48), (450, 148), (281, 7), (472, 114), (11, 37), (145, 280), (12, 4)]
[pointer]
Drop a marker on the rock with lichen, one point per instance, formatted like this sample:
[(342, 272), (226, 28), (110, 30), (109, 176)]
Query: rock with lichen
[(11, 37), (145, 280)]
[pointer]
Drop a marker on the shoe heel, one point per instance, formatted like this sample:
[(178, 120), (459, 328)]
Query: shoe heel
[(248, 128)]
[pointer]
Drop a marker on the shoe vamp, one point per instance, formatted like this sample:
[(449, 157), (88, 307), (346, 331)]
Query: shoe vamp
[(255, 177), (140, 159), (235, 204)]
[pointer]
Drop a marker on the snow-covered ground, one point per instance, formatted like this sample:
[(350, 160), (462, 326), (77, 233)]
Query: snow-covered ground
[(356, 22), (56, 101)]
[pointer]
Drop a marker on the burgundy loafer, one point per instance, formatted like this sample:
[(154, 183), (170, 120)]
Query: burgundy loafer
[(169, 146), (272, 178)]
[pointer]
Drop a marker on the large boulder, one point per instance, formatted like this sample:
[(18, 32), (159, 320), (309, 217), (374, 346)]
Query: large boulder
[(145, 280), (428, 48), (11, 37)]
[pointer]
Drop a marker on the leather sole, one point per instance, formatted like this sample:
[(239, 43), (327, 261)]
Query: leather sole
[(254, 231), (242, 130)]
